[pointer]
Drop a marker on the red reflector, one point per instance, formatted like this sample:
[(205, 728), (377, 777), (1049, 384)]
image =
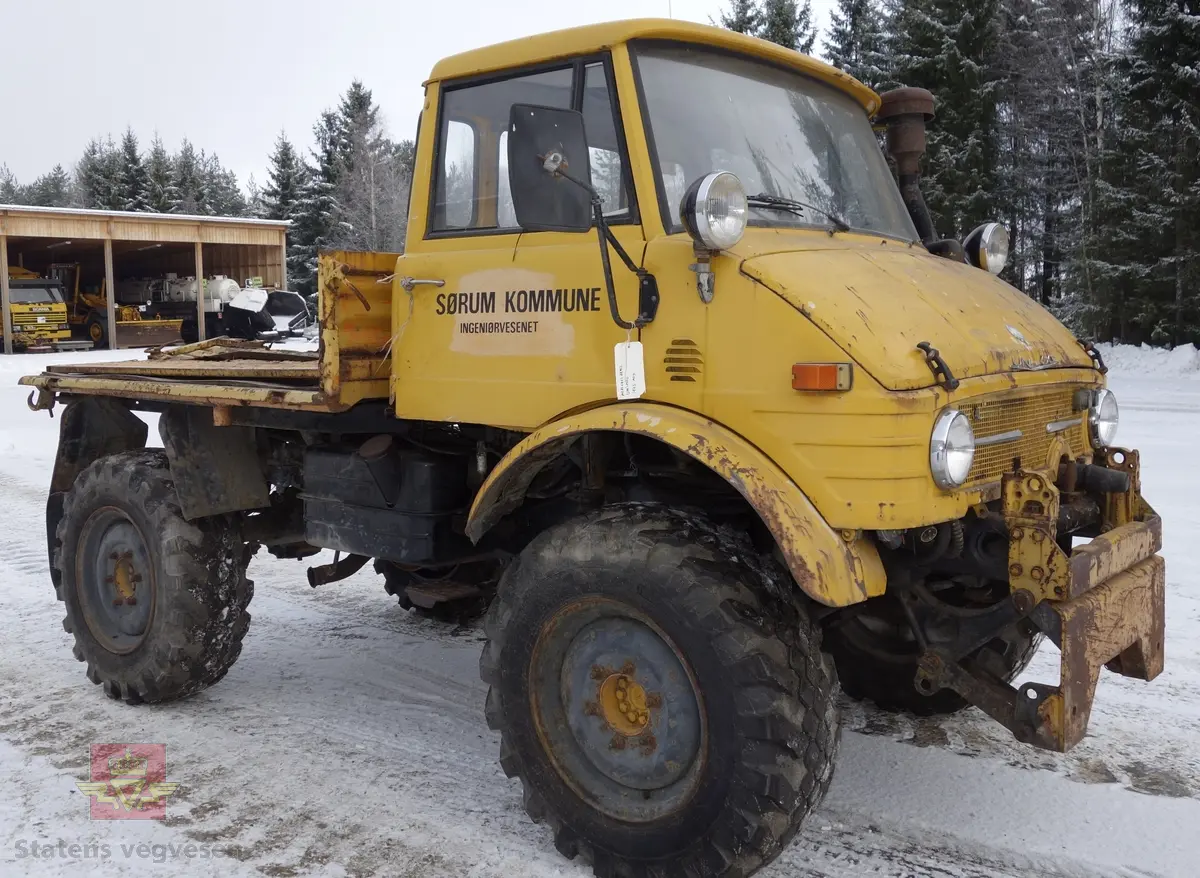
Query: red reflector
[(822, 376)]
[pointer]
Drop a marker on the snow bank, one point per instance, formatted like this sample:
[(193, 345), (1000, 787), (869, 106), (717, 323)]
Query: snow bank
[(1127, 359)]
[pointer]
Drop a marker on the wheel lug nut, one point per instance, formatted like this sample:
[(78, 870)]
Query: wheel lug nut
[(631, 716)]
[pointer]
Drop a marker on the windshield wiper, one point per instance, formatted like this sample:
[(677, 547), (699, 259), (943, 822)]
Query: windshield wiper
[(791, 205)]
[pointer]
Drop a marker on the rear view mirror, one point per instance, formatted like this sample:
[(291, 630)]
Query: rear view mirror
[(546, 145)]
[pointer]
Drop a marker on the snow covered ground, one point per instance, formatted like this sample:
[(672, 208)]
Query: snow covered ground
[(349, 739)]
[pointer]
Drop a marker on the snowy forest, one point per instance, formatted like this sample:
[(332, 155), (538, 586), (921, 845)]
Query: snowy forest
[(1076, 123)]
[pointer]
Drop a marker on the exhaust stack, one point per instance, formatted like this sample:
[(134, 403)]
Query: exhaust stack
[(906, 111)]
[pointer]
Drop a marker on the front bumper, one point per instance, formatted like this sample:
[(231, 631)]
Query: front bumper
[(1103, 605)]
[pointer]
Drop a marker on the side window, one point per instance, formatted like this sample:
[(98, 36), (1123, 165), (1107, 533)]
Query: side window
[(471, 190), (456, 184), (604, 143)]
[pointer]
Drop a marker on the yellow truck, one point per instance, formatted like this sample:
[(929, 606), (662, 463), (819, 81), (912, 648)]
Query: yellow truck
[(675, 372), (39, 314)]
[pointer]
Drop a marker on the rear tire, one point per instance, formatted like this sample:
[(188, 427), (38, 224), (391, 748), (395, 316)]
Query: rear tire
[(157, 604), (669, 618)]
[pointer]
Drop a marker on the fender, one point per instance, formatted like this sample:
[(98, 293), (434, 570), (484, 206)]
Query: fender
[(92, 427), (829, 568)]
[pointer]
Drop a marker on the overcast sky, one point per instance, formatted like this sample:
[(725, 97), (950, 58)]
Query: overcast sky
[(230, 74)]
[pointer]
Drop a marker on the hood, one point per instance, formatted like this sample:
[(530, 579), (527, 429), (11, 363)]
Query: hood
[(878, 304)]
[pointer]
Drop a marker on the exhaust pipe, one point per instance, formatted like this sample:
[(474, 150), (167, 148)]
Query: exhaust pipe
[(905, 112)]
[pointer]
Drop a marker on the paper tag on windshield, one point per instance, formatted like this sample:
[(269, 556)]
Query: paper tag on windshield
[(631, 370)]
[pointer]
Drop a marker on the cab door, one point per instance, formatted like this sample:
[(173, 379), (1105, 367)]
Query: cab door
[(495, 325)]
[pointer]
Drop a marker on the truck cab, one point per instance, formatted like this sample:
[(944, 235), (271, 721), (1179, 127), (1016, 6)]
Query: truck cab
[(39, 311)]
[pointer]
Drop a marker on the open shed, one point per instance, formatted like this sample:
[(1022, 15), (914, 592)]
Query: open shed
[(108, 247)]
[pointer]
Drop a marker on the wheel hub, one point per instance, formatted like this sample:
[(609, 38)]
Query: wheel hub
[(623, 701), (114, 579), (617, 710), (125, 579)]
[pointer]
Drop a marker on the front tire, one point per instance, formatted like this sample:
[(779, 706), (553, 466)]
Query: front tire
[(157, 604), (877, 656), (97, 331), (663, 700)]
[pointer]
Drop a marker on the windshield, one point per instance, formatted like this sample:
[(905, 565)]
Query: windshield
[(22, 295), (783, 134)]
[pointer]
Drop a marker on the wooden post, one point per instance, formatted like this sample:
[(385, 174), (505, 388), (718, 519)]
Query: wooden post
[(283, 264), (110, 294), (200, 291), (5, 308)]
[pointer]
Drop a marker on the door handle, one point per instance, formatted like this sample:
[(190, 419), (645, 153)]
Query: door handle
[(409, 282)]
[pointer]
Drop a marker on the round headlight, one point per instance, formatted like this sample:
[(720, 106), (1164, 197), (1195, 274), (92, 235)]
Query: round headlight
[(951, 449), (1103, 418), (714, 210), (987, 247)]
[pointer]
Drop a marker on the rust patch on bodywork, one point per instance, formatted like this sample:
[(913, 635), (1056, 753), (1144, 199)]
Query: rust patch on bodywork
[(829, 569)]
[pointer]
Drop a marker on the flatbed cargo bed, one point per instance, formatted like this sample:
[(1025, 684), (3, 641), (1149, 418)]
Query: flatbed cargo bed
[(284, 383), (352, 365)]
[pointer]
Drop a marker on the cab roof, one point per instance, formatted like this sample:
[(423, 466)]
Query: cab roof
[(599, 37)]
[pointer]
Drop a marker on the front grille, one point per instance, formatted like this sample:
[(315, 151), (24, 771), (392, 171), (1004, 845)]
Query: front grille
[(1029, 413), (32, 319)]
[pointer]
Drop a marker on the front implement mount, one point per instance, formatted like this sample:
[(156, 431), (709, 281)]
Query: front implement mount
[(1103, 605)]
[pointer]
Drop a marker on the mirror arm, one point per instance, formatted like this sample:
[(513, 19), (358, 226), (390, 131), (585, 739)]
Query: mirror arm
[(613, 307), (647, 285)]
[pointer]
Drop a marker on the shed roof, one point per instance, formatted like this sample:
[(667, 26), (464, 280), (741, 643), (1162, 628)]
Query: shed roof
[(23, 221), (129, 214)]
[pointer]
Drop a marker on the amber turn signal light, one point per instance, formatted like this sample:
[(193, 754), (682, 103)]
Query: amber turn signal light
[(822, 376)]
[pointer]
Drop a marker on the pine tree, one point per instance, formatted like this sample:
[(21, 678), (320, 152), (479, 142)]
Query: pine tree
[(285, 181), (190, 196), (9, 188), (134, 183), (99, 175), (310, 231), (788, 24), (161, 192), (743, 17), (856, 41), (316, 209), (1161, 115), (946, 46), (50, 190), (255, 207), (223, 195)]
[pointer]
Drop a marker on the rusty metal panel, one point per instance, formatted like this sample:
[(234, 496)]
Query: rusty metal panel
[(356, 324), (1117, 550), (1120, 623), (300, 370), (835, 568), (211, 392)]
